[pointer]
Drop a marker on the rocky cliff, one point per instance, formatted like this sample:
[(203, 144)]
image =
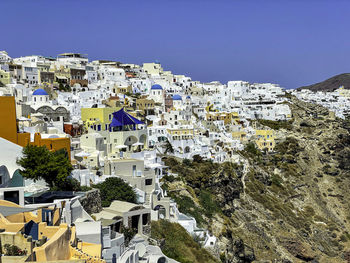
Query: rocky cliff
[(289, 206)]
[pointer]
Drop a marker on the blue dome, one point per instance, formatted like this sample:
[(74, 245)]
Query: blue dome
[(177, 97), (188, 97), (156, 86), (40, 92)]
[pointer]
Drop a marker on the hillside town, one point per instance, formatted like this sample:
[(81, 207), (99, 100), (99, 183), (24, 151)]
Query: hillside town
[(336, 101), (119, 120)]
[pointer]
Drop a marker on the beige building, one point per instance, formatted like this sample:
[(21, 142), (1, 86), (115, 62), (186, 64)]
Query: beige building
[(132, 216), (152, 68)]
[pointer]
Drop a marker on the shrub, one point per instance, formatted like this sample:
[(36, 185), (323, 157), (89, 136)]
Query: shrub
[(129, 233), (69, 184), (252, 150), (169, 178), (13, 250), (186, 162), (276, 180), (276, 125), (210, 207)]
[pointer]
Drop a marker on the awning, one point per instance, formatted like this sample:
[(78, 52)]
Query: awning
[(122, 118)]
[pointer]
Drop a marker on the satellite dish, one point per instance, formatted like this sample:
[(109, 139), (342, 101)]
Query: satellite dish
[(141, 248)]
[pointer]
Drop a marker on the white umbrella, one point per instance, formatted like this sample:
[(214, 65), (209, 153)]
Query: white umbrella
[(121, 146), (137, 144), (83, 154)]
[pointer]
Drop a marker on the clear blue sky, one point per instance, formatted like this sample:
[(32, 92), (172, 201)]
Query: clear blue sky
[(292, 43)]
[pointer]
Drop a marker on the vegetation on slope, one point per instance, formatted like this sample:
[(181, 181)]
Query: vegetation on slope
[(276, 125), (198, 184), (288, 206), (177, 244)]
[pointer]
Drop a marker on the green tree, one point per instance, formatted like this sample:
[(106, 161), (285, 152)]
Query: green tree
[(53, 167), (114, 188)]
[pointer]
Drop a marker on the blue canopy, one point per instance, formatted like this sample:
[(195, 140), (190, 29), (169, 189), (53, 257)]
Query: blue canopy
[(122, 118)]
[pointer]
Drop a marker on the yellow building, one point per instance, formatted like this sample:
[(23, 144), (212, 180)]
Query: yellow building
[(265, 139), (239, 135), (9, 131), (58, 240), (146, 106), (98, 119), (62, 74), (122, 89), (227, 117), (181, 134), (5, 77)]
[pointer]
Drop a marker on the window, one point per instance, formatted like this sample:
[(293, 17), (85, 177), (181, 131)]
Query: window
[(12, 196), (148, 182), (134, 170)]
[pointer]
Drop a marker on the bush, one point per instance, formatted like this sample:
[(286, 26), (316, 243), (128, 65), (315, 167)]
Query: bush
[(129, 233), (276, 125), (252, 150), (276, 180), (115, 188), (13, 250), (186, 162), (197, 158), (169, 178), (69, 184), (85, 188), (210, 206)]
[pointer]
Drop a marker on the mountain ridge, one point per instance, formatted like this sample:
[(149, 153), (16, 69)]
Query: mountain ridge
[(330, 84)]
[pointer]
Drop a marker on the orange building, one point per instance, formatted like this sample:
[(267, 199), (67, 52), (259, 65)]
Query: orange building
[(9, 130)]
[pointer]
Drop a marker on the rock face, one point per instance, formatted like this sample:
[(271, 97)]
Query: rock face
[(91, 202), (290, 206), (331, 83)]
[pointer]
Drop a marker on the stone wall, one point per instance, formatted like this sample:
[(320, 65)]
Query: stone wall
[(92, 201)]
